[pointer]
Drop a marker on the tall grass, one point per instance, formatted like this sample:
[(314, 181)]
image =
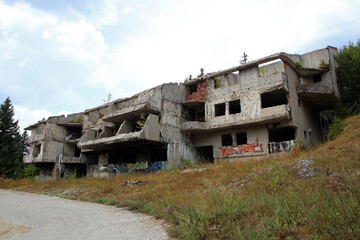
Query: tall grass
[(255, 199)]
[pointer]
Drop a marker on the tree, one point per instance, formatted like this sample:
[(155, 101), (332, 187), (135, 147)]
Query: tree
[(348, 71), (11, 147)]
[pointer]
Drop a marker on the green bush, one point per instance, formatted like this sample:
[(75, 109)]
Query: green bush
[(30, 171), (335, 128)]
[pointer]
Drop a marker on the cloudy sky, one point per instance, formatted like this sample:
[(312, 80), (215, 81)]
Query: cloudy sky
[(64, 56)]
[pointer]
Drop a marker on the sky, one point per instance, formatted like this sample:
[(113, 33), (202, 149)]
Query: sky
[(64, 56)]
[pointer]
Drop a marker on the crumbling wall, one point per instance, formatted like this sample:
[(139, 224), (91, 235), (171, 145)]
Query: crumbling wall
[(200, 93)]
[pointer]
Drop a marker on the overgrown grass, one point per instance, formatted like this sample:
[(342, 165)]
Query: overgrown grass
[(255, 199)]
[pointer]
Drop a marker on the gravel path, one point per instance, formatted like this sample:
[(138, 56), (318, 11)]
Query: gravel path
[(35, 217)]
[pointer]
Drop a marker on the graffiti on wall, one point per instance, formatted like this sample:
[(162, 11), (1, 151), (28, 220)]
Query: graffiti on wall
[(278, 147), (132, 167), (234, 150)]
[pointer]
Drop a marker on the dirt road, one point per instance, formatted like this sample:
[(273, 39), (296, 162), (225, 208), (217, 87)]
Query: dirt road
[(31, 216)]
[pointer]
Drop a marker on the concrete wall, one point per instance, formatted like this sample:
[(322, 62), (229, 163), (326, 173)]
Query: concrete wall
[(304, 117), (257, 141)]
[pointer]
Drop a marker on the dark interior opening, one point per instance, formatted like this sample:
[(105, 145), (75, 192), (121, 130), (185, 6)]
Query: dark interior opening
[(195, 113), (158, 155), (219, 109), (226, 140), (274, 98), (281, 134), (77, 151), (127, 154), (234, 107), (241, 138), (192, 89), (317, 78), (73, 132), (205, 153)]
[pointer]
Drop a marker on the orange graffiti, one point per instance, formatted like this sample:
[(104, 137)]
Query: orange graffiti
[(230, 150)]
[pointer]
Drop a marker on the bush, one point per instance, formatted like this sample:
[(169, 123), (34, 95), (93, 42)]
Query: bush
[(30, 171), (335, 128)]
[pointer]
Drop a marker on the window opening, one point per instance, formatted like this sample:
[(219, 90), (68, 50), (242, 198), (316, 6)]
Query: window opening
[(36, 150), (219, 109), (281, 134), (241, 138), (305, 135), (192, 89), (274, 98), (234, 107), (317, 78), (226, 140)]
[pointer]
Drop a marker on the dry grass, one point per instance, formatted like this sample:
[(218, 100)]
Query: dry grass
[(255, 199)]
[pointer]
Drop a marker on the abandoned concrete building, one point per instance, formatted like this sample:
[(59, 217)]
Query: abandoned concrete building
[(251, 110)]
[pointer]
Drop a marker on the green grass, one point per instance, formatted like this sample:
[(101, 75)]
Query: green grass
[(255, 199)]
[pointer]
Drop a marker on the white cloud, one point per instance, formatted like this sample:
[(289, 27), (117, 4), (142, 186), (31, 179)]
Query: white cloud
[(79, 40), (27, 116), (128, 10)]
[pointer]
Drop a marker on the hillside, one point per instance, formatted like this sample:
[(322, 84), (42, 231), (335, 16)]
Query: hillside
[(272, 198)]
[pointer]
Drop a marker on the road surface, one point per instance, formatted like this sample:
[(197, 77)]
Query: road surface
[(35, 217)]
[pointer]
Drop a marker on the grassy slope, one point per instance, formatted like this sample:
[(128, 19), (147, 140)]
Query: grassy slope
[(256, 199)]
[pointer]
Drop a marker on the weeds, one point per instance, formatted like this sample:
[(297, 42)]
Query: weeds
[(255, 199)]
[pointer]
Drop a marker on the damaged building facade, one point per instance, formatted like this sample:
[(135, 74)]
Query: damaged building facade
[(251, 110)]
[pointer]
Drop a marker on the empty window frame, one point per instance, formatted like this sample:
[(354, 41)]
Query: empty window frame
[(317, 78), (219, 109), (241, 138), (281, 134), (234, 107), (36, 150), (192, 89), (274, 98), (226, 140)]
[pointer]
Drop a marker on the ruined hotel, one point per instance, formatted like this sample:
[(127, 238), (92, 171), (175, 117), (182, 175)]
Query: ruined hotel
[(255, 109)]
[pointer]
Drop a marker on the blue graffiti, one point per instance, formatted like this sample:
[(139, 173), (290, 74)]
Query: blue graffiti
[(156, 166), (123, 168)]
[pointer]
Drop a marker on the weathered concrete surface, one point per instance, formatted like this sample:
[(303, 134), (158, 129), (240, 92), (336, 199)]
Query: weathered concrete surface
[(35, 217)]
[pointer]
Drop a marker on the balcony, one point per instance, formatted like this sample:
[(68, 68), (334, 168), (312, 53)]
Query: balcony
[(318, 95), (150, 132)]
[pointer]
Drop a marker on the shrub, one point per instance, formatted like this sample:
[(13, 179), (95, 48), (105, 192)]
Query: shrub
[(101, 200), (30, 171), (335, 128)]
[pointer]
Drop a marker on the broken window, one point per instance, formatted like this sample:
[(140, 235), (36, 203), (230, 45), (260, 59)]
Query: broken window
[(219, 109), (241, 138), (305, 135), (274, 98), (192, 89), (234, 107), (317, 78), (36, 150), (194, 112), (281, 134), (226, 140)]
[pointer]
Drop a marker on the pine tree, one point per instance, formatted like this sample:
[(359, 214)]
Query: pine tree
[(10, 142)]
